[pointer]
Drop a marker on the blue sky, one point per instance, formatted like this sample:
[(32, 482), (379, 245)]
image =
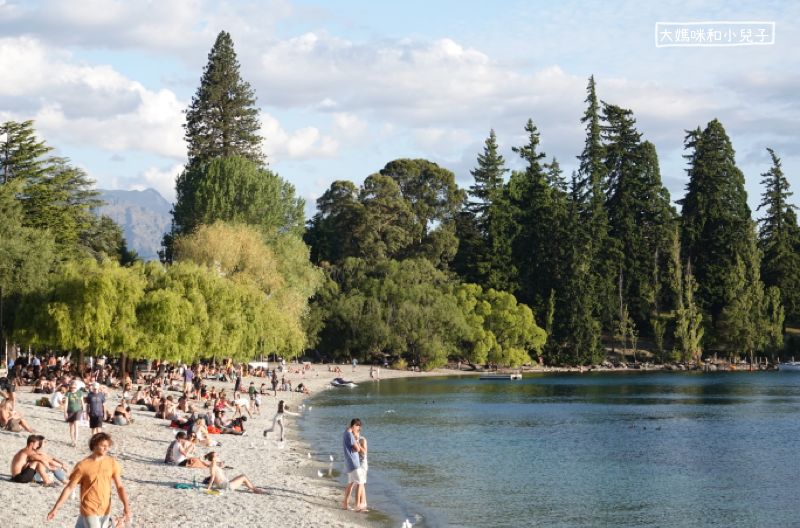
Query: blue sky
[(345, 87)]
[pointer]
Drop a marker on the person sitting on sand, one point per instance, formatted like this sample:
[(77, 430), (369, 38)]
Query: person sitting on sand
[(140, 397), (57, 398), (203, 437), (221, 482), (54, 466), (225, 425), (27, 463), (302, 388), (122, 414), (12, 420)]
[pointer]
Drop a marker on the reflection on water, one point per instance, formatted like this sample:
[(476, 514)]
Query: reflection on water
[(662, 449)]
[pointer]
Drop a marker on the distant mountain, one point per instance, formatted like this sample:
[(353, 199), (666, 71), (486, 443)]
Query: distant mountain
[(144, 215)]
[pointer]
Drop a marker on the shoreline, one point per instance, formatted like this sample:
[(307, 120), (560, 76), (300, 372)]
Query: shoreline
[(296, 495)]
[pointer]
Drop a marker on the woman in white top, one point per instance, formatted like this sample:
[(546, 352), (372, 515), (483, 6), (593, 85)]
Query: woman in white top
[(221, 482), (361, 491), (278, 420)]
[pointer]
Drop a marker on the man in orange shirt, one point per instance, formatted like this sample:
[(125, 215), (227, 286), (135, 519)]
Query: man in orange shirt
[(95, 474)]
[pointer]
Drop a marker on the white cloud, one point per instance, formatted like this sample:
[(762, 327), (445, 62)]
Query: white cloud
[(444, 142), (303, 143), (86, 106)]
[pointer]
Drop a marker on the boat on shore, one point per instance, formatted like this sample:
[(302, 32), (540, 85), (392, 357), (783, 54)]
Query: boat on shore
[(511, 376), (793, 365), (339, 382)]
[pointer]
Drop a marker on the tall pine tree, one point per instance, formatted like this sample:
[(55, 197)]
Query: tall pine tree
[(222, 119), (779, 239), (485, 256), (714, 215)]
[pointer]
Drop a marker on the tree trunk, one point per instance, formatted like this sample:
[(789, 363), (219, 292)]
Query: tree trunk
[(80, 362), (122, 365)]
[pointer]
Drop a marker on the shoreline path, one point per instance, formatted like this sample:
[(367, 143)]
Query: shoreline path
[(295, 496)]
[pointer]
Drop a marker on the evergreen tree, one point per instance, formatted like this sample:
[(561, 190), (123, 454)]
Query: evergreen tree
[(714, 215), (487, 231), (779, 239), (21, 155), (60, 198), (222, 120), (589, 196), (534, 209)]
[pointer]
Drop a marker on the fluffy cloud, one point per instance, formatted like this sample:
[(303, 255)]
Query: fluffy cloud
[(86, 106)]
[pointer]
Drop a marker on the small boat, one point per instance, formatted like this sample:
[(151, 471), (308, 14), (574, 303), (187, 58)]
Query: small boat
[(513, 376), (793, 365), (339, 382)]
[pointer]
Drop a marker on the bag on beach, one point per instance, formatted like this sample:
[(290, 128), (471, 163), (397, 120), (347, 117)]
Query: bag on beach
[(213, 430), (195, 463)]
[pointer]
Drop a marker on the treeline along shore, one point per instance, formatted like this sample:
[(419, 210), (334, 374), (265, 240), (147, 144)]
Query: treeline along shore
[(523, 267)]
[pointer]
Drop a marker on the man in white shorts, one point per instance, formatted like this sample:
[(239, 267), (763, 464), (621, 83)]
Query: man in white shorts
[(355, 475)]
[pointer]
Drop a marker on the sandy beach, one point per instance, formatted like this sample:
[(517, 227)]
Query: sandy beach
[(296, 495)]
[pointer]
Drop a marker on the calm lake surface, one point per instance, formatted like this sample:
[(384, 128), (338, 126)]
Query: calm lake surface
[(719, 449)]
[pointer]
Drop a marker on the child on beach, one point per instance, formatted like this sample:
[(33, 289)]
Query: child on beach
[(221, 482), (282, 409)]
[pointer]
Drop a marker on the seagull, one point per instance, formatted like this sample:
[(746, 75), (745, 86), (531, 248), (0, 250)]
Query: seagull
[(319, 473), (310, 408), (407, 524), (309, 455), (384, 412), (331, 458)]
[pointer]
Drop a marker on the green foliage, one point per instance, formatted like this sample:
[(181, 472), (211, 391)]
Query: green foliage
[(407, 211), (21, 155), (714, 215), (235, 189), (274, 270), (779, 239), (409, 308), (221, 120)]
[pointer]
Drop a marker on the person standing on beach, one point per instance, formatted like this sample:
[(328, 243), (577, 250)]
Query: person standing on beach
[(72, 411), (94, 474), (351, 459), (97, 408), (361, 490), (188, 376), (282, 409)]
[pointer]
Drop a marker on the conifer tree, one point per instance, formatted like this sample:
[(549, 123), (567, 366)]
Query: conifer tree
[(779, 238), (533, 204), (487, 257), (589, 195), (714, 215), (222, 119), (21, 155)]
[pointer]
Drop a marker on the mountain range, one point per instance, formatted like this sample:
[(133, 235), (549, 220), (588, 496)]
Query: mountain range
[(144, 215)]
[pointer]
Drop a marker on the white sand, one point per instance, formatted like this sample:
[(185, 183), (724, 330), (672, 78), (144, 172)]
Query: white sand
[(297, 496)]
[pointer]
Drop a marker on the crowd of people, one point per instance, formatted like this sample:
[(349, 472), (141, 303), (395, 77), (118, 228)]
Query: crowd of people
[(197, 410)]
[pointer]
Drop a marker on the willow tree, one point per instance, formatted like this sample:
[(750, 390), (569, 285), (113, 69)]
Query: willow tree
[(88, 307), (273, 271)]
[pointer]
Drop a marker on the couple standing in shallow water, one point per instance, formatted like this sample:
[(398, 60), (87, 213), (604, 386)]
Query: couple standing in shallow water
[(355, 460)]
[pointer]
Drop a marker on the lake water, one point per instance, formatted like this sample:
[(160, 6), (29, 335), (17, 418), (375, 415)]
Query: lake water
[(591, 449)]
